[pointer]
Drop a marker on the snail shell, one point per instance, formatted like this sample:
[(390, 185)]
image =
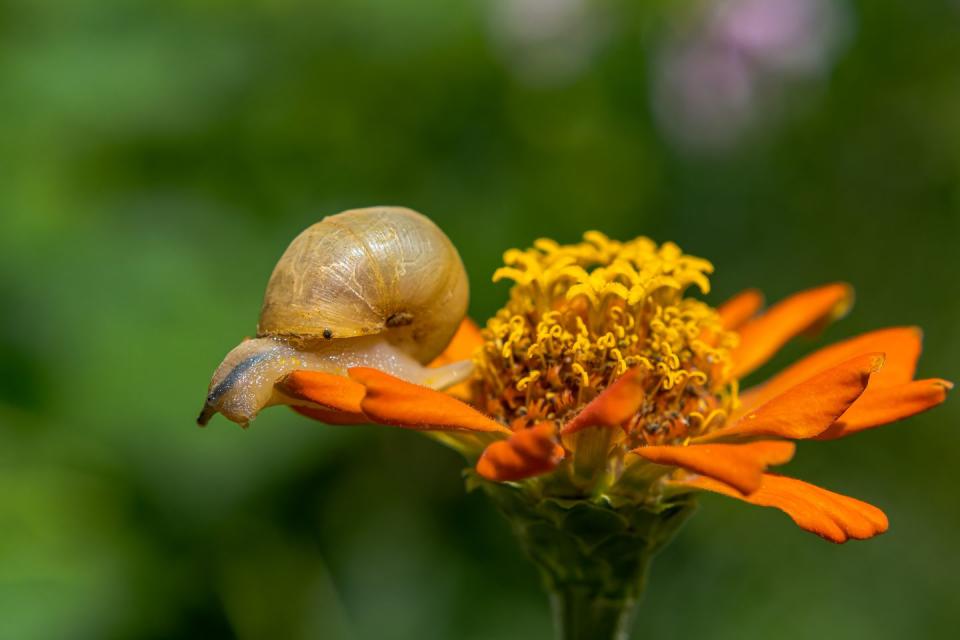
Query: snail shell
[(382, 270), (381, 287)]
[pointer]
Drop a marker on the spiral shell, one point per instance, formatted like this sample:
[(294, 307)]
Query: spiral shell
[(381, 270)]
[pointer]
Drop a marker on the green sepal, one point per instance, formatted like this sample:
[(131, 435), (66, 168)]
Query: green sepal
[(592, 553)]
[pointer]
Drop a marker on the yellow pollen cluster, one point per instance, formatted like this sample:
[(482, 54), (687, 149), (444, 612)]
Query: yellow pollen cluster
[(580, 315)]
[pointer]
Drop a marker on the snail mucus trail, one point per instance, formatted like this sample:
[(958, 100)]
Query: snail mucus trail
[(381, 287)]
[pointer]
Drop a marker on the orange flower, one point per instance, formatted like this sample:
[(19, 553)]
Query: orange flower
[(602, 378)]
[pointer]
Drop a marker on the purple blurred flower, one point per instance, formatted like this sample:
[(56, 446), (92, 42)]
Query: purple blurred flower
[(704, 95), (792, 35), (721, 77)]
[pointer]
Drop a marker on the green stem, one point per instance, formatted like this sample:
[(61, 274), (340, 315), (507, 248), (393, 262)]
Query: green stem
[(579, 614), (592, 553)]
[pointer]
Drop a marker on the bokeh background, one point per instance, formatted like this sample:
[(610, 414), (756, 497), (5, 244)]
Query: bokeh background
[(158, 156)]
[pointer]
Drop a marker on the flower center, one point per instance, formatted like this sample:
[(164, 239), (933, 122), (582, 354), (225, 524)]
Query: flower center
[(580, 315)]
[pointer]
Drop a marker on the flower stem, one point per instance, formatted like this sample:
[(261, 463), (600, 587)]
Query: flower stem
[(579, 614)]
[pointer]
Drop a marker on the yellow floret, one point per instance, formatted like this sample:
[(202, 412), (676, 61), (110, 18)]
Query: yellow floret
[(580, 315)]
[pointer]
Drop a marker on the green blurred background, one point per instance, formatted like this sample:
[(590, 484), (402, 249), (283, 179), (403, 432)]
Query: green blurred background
[(158, 156)]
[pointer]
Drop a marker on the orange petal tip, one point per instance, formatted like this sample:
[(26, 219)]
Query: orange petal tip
[(802, 313), (528, 452), (901, 345), (832, 516), (809, 408), (740, 308), (886, 404), (615, 405)]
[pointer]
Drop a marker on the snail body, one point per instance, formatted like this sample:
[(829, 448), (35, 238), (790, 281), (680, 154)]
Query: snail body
[(381, 287)]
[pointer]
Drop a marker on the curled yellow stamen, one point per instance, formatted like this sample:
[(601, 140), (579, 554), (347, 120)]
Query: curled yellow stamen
[(581, 315)]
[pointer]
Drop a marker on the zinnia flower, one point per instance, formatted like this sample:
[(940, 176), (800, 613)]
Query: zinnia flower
[(604, 399)]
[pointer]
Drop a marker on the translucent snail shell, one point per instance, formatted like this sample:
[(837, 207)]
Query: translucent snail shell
[(383, 270), (381, 287)]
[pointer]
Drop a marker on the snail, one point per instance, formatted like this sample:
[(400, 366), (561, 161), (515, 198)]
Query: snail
[(380, 287)]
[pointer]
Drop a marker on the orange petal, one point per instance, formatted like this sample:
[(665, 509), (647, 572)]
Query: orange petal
[(527, 453), (328, 416), (762, 337), (339, 393), (900, 344), (829, 515), (392, 401), (888, 404), (740, 308), (739, 465), (613, 407), (462, 346), (807, 409)]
